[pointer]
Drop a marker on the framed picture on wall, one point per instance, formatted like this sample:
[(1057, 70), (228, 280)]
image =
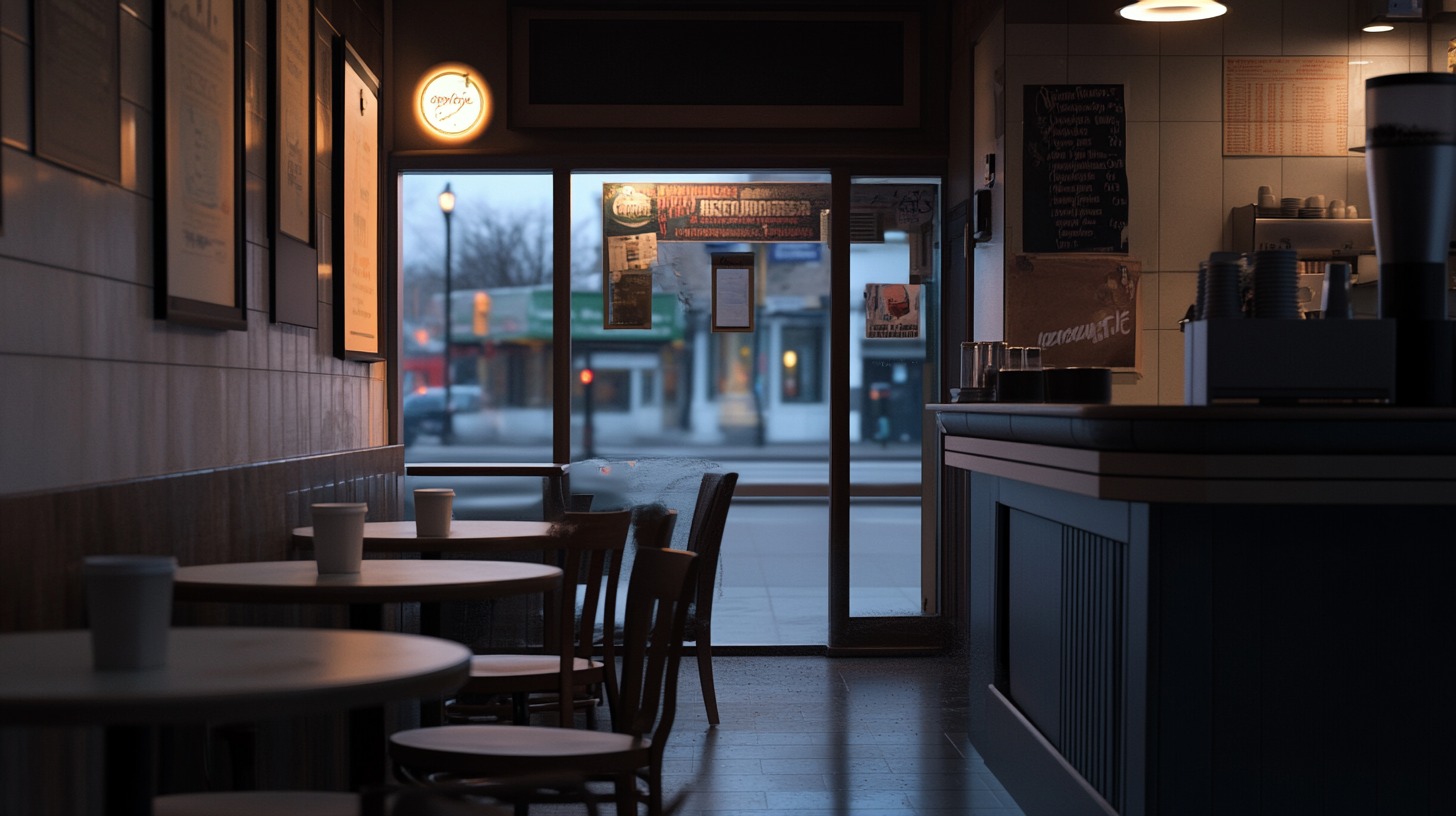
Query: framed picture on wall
[(199, 165), (357, 291), (294, 263), (77, 85)]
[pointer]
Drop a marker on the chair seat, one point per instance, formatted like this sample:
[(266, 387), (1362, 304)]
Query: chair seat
[(510, 674), (257, 803), (514, 750)]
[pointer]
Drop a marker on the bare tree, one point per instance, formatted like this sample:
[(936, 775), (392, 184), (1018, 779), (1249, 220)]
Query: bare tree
[(503, 248)]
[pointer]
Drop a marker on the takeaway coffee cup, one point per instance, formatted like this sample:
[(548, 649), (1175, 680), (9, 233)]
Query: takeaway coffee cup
[(432, 511), (129, 605), (338, 536)]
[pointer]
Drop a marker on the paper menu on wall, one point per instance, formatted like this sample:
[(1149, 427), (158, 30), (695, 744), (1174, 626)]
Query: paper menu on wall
[(1286, 106)]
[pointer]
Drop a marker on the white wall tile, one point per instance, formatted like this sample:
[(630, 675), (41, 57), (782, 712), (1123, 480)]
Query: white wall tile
[(1198, 37), (1113, 38), (1170, 368), (1028, 70), (1316, 27), (1305, 176), (136, 61), (1396, 43), (1191, 89), (1254, 28), (1138, 75), (1149, 299), (1177, 291), (1140, 387), (1045, 39), (1357, 190), (1144, 193), (1190, 192)]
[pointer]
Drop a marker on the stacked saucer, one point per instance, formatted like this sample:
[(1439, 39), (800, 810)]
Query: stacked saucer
[(1276, 284), (1289, 206)]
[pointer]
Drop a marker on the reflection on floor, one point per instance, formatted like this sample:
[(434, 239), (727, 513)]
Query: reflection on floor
[(817, 736)]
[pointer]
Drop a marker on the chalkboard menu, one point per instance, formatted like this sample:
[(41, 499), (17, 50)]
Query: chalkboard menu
[(1074, 169)]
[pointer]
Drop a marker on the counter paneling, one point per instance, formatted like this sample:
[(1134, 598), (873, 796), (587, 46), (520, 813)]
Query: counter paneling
[(1162, 632)]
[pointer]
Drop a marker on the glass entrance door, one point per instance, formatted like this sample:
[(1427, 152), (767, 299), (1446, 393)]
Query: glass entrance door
[(820, 415)]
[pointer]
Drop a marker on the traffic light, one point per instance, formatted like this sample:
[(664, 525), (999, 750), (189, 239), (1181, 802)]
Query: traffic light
[(586, 376)]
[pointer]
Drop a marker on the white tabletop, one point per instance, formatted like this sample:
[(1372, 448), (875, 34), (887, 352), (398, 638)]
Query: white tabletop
[(222, 673), (465, 536), (379, 580)]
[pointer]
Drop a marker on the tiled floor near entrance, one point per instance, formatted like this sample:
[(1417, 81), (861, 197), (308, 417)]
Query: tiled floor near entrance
[(815, 736)]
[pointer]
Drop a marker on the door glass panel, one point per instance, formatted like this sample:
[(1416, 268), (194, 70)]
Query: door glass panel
[(661, 406), (893, 258), (499, 270)]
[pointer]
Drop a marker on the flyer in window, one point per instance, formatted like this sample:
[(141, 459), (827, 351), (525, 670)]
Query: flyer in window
[(627, 253), (892, 310)]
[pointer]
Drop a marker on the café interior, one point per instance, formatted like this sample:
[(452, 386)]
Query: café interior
[(1209, 578)]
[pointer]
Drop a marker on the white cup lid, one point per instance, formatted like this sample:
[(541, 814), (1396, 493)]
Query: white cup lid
[(340, 507), (443, 491), (128, 565)]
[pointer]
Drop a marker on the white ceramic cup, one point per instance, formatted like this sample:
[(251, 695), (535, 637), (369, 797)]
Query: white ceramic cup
[(432, 511), (129, 605), (338, 536)]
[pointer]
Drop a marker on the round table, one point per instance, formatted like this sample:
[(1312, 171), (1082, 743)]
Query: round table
[(379, 580), (465, 536), (46, 679)]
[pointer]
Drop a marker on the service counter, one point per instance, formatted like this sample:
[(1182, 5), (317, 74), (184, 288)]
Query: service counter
[(1212, 610)]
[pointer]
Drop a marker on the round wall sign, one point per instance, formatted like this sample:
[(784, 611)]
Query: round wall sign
[(453, 101)]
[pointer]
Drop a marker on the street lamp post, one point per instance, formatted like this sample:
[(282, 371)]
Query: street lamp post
[(447, 432)]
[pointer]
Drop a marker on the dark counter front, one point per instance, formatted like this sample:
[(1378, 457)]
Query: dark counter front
[(1209, 610)]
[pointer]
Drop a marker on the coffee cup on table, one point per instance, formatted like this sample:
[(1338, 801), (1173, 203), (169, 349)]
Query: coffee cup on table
[(338, 536), (129, 605), (433, 506)]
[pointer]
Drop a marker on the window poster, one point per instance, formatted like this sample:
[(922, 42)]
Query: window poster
[(760, 212), (733, 299), (629, 300), (892, 310)]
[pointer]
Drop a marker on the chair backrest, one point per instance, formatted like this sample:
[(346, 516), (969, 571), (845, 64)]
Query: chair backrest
[(590, 547), (658, 595), (705, 537)]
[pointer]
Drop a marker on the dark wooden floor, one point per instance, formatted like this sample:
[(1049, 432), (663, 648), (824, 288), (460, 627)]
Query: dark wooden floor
[(815, 736)]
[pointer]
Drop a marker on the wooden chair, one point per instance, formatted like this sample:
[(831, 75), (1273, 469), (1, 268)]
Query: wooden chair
[(705, 538), (497, 758), (589, 552)]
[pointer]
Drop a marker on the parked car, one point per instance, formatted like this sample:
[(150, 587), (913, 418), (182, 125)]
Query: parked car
[(424, 410)]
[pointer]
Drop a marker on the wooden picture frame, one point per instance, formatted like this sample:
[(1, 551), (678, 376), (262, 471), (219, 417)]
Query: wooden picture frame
[(733, 298), (199, 165), (358, 295), (77, 106), (293, 266)]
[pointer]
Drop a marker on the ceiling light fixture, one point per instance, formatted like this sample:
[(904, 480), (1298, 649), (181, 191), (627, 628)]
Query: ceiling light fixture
[(1172, 11), (1378, 28)]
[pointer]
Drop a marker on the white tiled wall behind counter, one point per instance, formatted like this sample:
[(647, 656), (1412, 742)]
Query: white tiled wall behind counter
[(1181, 186)]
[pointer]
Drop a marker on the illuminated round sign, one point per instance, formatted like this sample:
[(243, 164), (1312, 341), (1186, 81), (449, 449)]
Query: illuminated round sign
[(453, 102)]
